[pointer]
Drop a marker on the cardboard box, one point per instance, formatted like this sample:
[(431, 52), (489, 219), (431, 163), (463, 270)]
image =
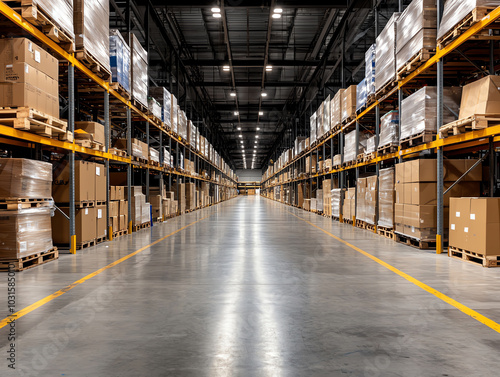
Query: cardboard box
[(84, 182), (399, 213), (100, 182), (114, 208), (114, 222), (399, 175), (123, 207), (190, 188), (123, 222), (101, 221), (420, 216), (423, 170), (481, 97), (407, 172), (180, 193), (348, 102), (93, 128), (407, 193), (307, 204), (156, 203), (85, 225), (423, 193), (23, 178), (135, 190), (399, 192)]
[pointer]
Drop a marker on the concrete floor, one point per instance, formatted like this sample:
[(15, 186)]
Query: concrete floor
[(254, 291)]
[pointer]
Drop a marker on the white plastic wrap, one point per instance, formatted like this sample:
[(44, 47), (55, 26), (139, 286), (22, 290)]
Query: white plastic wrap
[(162, 95), (174, 116), (140, 79), (361, 95), (192, 134), (335, 200), (154, 107), (119, 58), (360, 199), (385, 54), (386, 198), (456, 10), (24, 178), (370, 202), (370, 145), (370, 69), (313, 128), (326, 115), (424, 39), (154, 155), (336, 109), (419, 110), (389, 129), (60, 11), (91, 20), (350, 145), (319, 121)]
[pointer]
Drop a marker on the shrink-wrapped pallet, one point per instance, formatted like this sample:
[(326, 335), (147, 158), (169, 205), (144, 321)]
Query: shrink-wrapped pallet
[(139, 61), (91, 21), (371, 200), (416, 31), (326, 115), (154, 107), (24, 178), (154, 155), (336, 108), (370, 144), (335, 202), (389, 129), (162, 95), (386, 198), (456, 10), (419, 111), (173, 114), (319, 121), (349, 103), (192, 134), (350, 145), (182, 125), (361, 95), (385, 54), (360, 199), (313, 129), (370, 70), (119, 59), (59, 11)]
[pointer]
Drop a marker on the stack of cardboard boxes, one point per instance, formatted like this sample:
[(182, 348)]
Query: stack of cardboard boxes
[(348, 209), (349, 103), (118, 208), (386, 197), (327, 195)]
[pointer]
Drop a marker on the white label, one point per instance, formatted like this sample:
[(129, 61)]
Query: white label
[(86, 211), (26, 68), (38, 57), (466, 230), (452, 226), (30, 46), (97, 170), (23, 246), (9, 66), (457, 214), (473, 216), (99, 213)]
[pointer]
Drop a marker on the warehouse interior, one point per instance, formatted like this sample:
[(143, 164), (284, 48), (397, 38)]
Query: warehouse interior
[(249, 187)]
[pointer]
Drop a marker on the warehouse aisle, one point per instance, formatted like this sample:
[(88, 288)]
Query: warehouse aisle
[(250, 289)]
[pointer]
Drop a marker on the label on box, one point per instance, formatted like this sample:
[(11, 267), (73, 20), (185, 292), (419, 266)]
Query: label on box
[(38, 57), (99, 213), (97, 170), (30, 46), (86, 211), (473, 216), (466, 230), (23, 246), (452, 226), (457, 214)]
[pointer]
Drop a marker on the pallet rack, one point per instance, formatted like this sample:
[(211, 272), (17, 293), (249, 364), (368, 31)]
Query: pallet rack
[(109, 103), (470, 141)]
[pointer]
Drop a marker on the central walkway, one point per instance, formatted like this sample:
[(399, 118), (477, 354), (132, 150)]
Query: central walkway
[(248, 288)]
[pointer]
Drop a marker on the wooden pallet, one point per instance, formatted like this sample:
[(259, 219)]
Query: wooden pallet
[(386, 149), (386, 88), (120, 90), (473, 17), (85, 245), (419, 244), (100, 239), (30, 261), (370, 156), (67, 136), (347, 221), (421, 138), (361, 224), (118, 152), (88, 60), (385, 232), (142, 226), (144, 109), (36, 15), (473, 122), (31, 120), (139, 160), (14, 204), (349, 163), (370, 99), (415, 61), (370, 227), (120, 233), (475, 258), (360, 158), (91, 145), (154, 163)]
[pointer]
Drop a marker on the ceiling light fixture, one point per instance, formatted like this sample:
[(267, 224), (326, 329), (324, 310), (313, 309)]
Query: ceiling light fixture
[(255, 141), (217, 10), (240, 135), (236, 113), (232, 94), (275, 15), (227, 68), (256, 136), (261, 113), (239, 128), (218, 15), (263, 94), (269, 68), (258, 128)]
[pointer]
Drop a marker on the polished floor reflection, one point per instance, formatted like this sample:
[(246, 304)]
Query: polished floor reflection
[(252, 290)]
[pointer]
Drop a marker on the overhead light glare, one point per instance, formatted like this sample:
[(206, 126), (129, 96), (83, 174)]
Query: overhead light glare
[(240, 135), (239, 128), (236, 113), (217, 10), (269, 68), (232, 94), (275, 15), (218, 15), (278, 10), (226, 68), (261, 113), (256, 136), (263, 94)]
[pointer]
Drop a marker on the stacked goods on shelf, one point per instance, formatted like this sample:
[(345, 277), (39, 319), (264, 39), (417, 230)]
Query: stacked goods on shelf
[(180, 193), (162, 95), (311, 164), (419, 111), (139, 62), (182, 125), (313, 128), (350, 146), (327, 197), (337, 160), (167, 158), (348, 209), (173, 113), (60, 12), (30, 77), (386, 198), (156, 206), (91, 23), (361, 95), (335, 195), (416, 34), (474, 225), (319, 121), (139, 148), (91, 131), (154, 155), (336, 109), (319, 200), (300, 195), (140, 208), (118, 207), (154, 107), (385, 54), (26, 205), (370, 70), (389, 129), (119, 60), (326, 116), (370, 201), (360, 202), (190, 188), (349, 103), (191, 136), (416, 194), (370, 144)]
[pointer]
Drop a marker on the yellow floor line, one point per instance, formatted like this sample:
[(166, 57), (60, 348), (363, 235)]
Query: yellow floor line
[(470, 312), (43, 301)]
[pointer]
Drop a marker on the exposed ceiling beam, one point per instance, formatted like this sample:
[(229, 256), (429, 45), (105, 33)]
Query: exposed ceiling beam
[(254, 63), (252, 4)]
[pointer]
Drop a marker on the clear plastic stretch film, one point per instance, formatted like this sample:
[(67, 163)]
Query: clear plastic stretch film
[(313, 128), (370, 69), (420, 111), (360, 200), (192, 135), (370, 145), (385, 53), (119, 59), (139, 71), (350, 145), (456, 10), (154, 155), (137, 150), (162, 95), (60, 11), (386, 197), (361, 95), (326, 116), (319, 121), (424, 39), (25, 232), (371, 199), (389, 128), (91, 20), (420, 14), (182, 125), (174, 109), (335, 195), (154, 107), (23, 178), (349, 102), (336, 108)]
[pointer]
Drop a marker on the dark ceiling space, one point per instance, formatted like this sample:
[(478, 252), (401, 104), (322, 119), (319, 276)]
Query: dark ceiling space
[(189, 47)]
